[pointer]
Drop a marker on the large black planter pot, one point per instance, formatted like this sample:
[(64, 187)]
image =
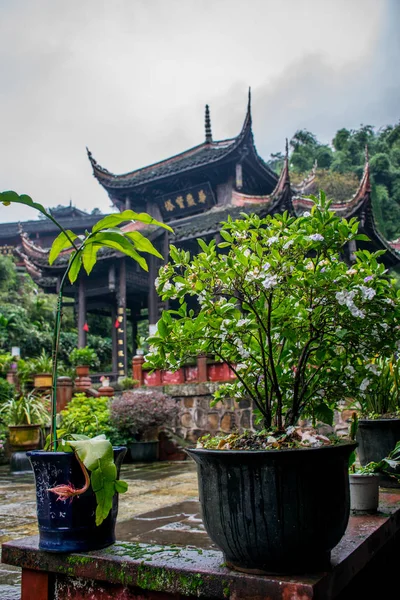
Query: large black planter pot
[(376, 438), (144, 451), (277, 511), (66, 526)]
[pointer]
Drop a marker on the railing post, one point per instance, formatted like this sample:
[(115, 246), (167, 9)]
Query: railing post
[(202, 368), (137, 371)]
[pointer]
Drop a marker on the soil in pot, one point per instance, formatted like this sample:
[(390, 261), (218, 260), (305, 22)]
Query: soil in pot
[(66, 526), (364, 492), (275, 511)]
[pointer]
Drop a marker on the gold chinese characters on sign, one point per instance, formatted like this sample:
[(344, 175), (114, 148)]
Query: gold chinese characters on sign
[(197, 198)]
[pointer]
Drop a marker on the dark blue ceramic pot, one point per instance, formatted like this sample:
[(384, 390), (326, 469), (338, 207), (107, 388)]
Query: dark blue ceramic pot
[(65, 525)]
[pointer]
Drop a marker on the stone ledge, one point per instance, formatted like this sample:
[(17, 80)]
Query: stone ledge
[(187, 572)]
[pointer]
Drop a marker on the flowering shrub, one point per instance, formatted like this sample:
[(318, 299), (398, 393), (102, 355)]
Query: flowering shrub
[(137, 412), (298, 326)]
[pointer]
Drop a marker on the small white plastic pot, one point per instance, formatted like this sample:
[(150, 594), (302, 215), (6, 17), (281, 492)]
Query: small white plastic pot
[(364, 492)]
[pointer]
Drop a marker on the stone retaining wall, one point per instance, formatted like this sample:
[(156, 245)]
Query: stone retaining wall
[(197, 417)]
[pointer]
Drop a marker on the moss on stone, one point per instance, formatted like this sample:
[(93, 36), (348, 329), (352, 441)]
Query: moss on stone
[(158, 578)]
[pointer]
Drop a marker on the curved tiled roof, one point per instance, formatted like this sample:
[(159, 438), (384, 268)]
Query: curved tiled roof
[(208, 153)]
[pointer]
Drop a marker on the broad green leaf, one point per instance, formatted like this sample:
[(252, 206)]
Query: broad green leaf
[(162, 328), (75, 266), (324, 413), (121, 486), (89, 256), (97, 456), (142, 243), (63, 240), (119, 242), (12, 197), (127, 215)]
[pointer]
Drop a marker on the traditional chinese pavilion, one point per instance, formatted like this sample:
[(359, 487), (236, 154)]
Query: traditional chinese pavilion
[(193, 192)]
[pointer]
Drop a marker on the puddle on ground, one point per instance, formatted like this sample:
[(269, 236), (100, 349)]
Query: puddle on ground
[(178, 524)]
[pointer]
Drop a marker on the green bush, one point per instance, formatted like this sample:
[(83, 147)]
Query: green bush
[(84, 357), (6, 391), (88, 416)]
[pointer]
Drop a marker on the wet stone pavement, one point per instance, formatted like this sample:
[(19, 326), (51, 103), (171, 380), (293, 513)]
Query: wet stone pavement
[(160, 507)]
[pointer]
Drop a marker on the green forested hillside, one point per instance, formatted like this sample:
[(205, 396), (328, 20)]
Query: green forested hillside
[(340, 167)]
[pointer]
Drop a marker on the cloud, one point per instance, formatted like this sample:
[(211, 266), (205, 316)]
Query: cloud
[(130, 80)]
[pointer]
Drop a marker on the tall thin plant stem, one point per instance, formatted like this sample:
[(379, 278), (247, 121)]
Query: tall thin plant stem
[(56, 342)]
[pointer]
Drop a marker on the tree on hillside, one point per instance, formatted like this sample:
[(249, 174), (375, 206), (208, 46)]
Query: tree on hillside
[(341, 164)]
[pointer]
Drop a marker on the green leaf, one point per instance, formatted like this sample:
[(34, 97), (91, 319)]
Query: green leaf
[(75, 266), (12, 197), (119, 242), (121, 486), (127, 215), (142, 243), (324, 413), (162, 328), (89, 256), (202, 245), (63, 240), (97, 456)]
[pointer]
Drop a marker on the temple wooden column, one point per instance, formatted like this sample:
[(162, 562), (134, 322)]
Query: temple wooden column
[(114, 341), (121, 316), (81, 313)]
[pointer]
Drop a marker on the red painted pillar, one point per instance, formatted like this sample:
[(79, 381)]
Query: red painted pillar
[(137, 371), (202, 368), (36, 585)]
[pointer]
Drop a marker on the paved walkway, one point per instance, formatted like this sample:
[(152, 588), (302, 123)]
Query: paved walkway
[(165, 491)]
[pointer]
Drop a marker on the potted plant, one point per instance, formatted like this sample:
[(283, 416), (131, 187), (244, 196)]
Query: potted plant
[(364, 480), (62, 470), (25, 415), (275, 302), (378, 405), (138, 415), (82, 359), (42, 367)]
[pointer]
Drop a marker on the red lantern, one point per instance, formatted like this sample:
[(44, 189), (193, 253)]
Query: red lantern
[(85, 327)]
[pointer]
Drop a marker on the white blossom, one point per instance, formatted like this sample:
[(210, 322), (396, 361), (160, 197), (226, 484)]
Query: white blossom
[(269, 281), (349, 370), (364, 384), (373, 368), (307, 213), (242, 322), (288, 244), (316, 237), (367, 293), (272, 240)]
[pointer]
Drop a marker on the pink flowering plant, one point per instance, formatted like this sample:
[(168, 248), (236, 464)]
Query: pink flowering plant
[(276, 302)]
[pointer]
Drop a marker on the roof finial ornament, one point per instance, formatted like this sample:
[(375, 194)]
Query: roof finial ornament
[(249, 106), (208, 126)]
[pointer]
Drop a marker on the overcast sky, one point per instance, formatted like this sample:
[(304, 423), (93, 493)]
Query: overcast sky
[(130, 78)]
